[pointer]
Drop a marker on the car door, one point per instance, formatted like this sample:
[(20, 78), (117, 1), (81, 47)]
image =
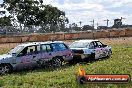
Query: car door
[(65, 51), (35, 55), (46, 53), (93, 49), (56, 50), (23, 59), (27, 57), (100, 50)]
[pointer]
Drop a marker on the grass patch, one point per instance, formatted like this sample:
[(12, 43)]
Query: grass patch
[(64, 77)]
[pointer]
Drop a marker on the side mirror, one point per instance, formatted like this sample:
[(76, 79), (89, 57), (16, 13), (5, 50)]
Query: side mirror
[(20, 54), (14, 54)]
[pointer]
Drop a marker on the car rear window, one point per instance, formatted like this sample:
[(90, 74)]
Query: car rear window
[(59, 46), (63, 47)]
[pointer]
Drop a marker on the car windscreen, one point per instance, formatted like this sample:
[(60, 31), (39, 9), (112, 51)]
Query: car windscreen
[(16, 50), (79, 45)]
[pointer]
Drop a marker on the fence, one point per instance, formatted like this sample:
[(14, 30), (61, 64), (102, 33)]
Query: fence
[(67, 36)]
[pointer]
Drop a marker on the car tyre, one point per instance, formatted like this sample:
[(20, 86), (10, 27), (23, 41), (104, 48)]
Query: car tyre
[(56, 62), (92, 57), (5, 69), (109, 53)]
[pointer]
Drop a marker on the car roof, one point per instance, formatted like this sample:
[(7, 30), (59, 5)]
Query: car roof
[(86, 41), (38, 43)]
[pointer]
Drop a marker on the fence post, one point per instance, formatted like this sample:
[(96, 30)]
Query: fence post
[(125, 32), (93, 35)]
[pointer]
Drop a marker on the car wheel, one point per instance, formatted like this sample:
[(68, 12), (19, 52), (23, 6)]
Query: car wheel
[(56, 62), (92, 56), (40, 63), (109, 53), (4, 69)]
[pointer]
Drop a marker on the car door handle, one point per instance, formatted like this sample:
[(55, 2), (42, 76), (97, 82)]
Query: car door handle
[(34, 56)]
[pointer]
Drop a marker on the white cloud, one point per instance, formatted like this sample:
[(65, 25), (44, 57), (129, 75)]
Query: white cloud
[(1, 1), (86, 10), (2, 9)]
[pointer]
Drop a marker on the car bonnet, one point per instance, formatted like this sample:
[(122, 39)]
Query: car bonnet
[(5, 56)]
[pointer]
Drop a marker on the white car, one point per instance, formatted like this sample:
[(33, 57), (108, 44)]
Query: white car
[(90, 49)]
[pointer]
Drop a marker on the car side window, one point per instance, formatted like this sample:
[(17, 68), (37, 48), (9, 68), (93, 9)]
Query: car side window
[(23, 52), (55, 47), (38, 48), (91, 45), (29, 50), (48, 48), (45, 48), (99, 44), (59, 46)]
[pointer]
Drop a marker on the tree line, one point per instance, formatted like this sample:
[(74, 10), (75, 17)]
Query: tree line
[(33, 14)]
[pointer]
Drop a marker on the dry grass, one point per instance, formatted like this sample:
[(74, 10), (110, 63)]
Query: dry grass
[(4, 48), (112, 41), (117, 41)]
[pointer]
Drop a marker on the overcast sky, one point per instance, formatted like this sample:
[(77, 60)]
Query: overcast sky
[(87, 10)]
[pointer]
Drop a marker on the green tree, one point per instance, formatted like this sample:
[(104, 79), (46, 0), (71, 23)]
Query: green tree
[(74, 27), (5, 21), (33, 12), (53, 18), (87, 27)]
